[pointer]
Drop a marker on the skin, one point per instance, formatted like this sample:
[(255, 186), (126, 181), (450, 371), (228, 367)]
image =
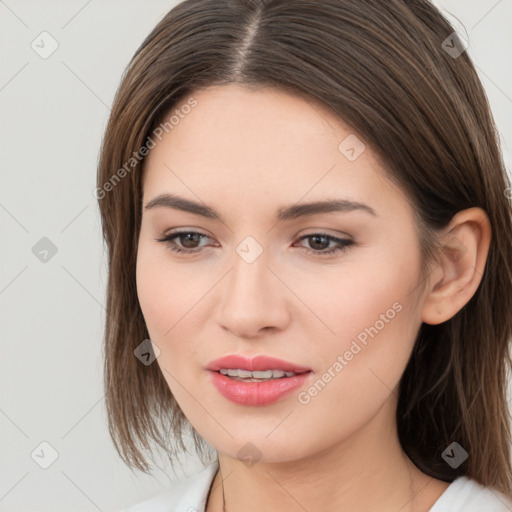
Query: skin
[(247, 153)]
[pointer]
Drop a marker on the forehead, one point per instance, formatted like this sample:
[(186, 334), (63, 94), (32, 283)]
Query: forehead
[(250, 115), (240, 142)]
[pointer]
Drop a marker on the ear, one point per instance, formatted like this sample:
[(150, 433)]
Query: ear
[(455, 278)]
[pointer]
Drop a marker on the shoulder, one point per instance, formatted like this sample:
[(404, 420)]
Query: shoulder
[(187, 495), (467, 495)]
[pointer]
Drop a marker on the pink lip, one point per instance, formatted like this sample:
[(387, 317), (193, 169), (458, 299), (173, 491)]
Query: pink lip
[(256, 393), (257, 363)]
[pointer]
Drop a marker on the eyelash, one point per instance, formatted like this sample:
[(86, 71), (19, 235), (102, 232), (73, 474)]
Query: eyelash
[(343, 244)]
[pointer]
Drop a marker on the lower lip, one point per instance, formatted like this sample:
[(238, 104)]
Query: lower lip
[(256, 393)]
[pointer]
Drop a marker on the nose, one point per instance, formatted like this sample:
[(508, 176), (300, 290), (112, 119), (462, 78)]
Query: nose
[(253, 299)]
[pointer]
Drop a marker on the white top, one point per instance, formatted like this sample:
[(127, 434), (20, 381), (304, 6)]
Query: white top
[(189, 495)]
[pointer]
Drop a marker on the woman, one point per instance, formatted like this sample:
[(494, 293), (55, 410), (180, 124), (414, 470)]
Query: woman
[(309, 237)]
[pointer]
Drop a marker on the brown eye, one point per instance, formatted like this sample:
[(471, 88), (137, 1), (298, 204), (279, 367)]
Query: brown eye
[(188, 241), (318, 242)]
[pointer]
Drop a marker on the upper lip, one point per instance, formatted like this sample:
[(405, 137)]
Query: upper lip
[(257, 363)]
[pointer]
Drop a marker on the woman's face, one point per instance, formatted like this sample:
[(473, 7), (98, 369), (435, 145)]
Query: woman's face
[(251, 283)]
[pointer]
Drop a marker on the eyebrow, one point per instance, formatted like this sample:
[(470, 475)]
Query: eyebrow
[(288, 213)]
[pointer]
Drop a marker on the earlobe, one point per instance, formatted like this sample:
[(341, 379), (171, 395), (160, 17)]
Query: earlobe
[(458, 273)]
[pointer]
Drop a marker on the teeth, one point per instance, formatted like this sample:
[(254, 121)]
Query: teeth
[(245, 374)]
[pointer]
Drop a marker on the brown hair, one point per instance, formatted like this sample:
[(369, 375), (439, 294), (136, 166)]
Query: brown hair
[(384, 68)]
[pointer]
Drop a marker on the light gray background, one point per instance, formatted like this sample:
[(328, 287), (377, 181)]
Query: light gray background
[(53, 114)]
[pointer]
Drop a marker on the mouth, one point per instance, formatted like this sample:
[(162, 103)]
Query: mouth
[(259, 375), (258, 367), (258, 387), (257, 381)]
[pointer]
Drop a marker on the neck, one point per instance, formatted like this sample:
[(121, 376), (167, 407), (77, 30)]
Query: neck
[(367, 471)]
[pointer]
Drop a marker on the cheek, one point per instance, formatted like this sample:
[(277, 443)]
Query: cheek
[(149, 288), (369, 321), (365, 293), (161, 298), (360, 367), (157, 290), (171, 298), (375, 321)]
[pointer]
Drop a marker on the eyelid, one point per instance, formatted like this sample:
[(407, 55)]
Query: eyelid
[(342, 244), (316, 231), (324, 231)]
